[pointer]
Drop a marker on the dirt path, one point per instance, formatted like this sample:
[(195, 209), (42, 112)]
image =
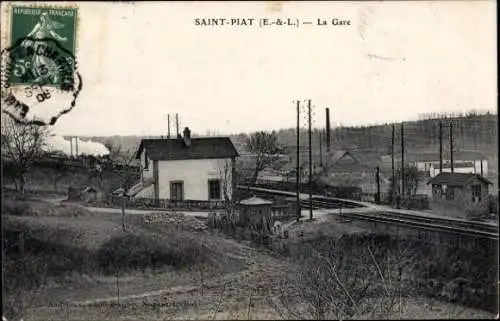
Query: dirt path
[(232, 295)]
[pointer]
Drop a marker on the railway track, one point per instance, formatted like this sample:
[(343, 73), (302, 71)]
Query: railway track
[(392, 216)]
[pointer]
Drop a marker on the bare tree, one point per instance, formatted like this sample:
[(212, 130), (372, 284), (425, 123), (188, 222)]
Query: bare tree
[(343, 281), (62, 170), (228, 179), (127, 177), (412, 178), (265, 147), (21, 145)]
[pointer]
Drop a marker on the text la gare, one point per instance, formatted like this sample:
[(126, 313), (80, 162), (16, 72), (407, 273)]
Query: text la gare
[(334, 22)]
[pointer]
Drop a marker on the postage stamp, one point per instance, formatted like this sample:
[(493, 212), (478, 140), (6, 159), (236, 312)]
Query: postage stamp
[(40, 81)]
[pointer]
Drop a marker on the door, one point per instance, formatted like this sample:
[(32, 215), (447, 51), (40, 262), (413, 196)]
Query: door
[(177, 190)]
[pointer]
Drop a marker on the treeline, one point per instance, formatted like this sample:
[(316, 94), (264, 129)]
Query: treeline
[(472, 132)]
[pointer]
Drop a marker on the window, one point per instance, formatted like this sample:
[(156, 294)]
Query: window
[(476, 193), (177, 190), (214, 190)]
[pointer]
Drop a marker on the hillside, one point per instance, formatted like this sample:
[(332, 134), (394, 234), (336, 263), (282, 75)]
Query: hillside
[(471, 132), (475, 132)]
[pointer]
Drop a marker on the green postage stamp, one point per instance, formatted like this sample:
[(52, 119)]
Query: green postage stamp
[(39, 67), (36, 30)]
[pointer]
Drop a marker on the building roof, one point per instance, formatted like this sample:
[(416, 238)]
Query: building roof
[(455, 179), (176, 149), (463, 155), (254, 200), (361, 160)]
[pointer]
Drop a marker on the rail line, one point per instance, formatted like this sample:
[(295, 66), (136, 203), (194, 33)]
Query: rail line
[(390, 216)]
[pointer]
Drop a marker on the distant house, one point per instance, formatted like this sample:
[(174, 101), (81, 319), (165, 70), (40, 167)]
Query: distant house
[(456, 186), (464, 161), (459, 193), (358, 168), (186, 168)]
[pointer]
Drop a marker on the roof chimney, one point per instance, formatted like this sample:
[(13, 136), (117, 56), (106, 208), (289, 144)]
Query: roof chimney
[(187, 136)]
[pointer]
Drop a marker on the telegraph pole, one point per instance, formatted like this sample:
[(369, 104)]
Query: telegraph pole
[(328, 130), (440, 146), (392, 158), (168, 126), (298, 162), (71, 145), (310, 159), (320, 150), (402, 161), (451, 146), (377, 180), (177, 124)]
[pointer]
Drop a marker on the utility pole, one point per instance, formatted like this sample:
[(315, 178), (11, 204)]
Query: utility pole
[(320, 150), (392, 158), (310, 159), (177, 124), (71, 145), (402, 161), (168, 126), (451, 146), (328, 130), (298, 162), (440, 146), (377, 180), (76, 145)]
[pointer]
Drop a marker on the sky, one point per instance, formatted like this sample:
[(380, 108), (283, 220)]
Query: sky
[(142, 61)]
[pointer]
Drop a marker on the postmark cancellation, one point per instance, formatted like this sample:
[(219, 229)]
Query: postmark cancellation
[(40, 80)]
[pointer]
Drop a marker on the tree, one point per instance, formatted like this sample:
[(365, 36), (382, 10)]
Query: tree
[(62, 170), (412, 178), (348, 278), (127, 178), (21, 145), (265, 147), (228, 181)]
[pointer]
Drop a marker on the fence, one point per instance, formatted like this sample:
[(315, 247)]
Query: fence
[(150, 203), (88, 162), (350, 192)]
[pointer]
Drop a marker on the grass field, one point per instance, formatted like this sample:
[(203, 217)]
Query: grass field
[(79, 265)]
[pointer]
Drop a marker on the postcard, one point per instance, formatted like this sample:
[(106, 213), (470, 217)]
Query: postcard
[(249, 160)]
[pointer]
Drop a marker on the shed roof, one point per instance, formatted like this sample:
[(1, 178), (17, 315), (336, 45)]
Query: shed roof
[(254, 200), (176, 149), (455, 179), (362, 160)]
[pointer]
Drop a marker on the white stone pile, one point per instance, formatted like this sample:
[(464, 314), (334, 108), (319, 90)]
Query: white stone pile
[(175, 219)]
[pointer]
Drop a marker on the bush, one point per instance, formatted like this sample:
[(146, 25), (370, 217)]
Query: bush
[(42, 208), (415, 202), (132, 251), (464, 276), (17, 208)]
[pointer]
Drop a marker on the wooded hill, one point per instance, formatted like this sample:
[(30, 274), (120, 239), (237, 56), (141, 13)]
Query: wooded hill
[(472, 131)]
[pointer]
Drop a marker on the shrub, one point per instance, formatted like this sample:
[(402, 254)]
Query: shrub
[(42, 208), (464, 276), (17, 208), (132, 251)]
